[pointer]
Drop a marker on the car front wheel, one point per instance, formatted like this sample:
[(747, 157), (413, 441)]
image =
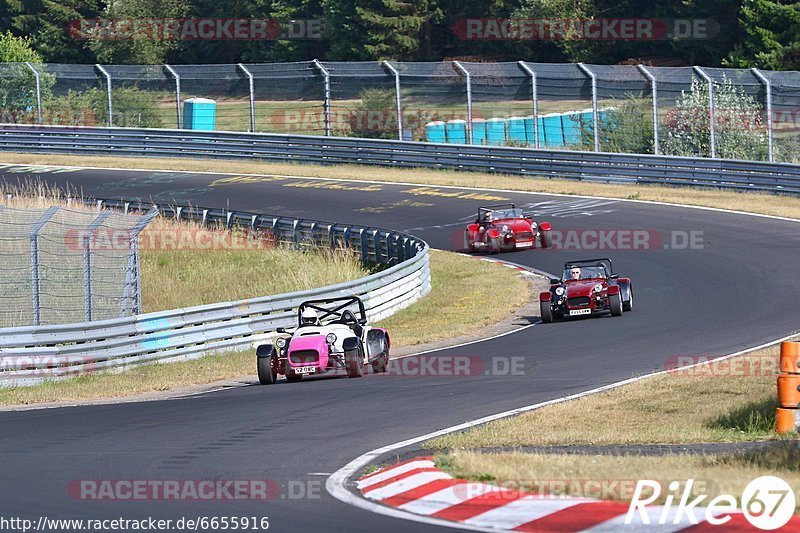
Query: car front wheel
[(546, 312), (355, 363), (615, 304)]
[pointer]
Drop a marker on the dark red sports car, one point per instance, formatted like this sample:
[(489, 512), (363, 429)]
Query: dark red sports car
[(504, 227), (587, 287)]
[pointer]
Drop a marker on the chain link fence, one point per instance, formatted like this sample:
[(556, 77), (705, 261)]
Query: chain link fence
[(61, 265), (709, 112)]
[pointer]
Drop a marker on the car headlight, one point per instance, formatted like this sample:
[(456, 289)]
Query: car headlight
[(560, 291), (505, 228), (598, 287), (331, 338), (281, 342)]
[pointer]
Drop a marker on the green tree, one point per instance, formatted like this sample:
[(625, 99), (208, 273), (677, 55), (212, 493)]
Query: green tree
[(47, 22), (17, 82), (772, 36), (146, 48), (375, 29)]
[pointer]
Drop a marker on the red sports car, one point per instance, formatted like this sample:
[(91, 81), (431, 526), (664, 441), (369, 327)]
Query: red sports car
[(587, 287), (504, 227)]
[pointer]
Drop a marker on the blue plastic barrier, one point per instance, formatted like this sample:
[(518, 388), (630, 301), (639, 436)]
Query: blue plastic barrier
[(553, 130)]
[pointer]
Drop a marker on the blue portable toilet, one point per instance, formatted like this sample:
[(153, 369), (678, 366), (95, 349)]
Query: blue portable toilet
[(553, 132), (456, 130), (478, 131), (199, 114), (571, 125), (496, 131), (516, 130), (434, 131), (529, 130)]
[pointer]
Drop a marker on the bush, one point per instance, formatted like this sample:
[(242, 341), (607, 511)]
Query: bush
[(738, 124), (624, 128), (132, 107), (376, 116)]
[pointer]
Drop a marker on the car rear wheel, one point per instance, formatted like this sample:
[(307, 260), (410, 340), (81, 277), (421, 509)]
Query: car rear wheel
[(615, 304), (379, 365), (355, 363), (546, 239), (546, 311), (628, 306)]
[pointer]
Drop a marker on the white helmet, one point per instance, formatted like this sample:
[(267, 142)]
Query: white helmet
[(308, 317)]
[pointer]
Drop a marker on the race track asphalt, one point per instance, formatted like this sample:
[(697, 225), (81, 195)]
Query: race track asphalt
[(738, 288)]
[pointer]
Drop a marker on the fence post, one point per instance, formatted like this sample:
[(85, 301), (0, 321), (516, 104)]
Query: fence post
[(35, 267), (177, 94), (133, 273), (535, 97), (327, 109), (252, 97), (38, 92), (768, 89), (595, 121), (468, 79), (105, 73), (654, 90), (86, 242), (711, 113), (394, 71)]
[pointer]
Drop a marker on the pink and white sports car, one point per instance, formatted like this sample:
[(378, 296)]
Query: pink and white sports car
[(330, 335)]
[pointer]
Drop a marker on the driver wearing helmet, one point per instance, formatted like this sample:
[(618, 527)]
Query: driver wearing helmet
[(574, 272), (309, 318), (486, 221)]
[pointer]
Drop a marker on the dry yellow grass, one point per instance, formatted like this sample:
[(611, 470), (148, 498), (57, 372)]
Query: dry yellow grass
[(727, 401), (615, 477), (750, 202)]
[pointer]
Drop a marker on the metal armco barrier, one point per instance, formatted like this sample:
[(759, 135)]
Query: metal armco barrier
[(29, 355), (788, 416), (781, 178)]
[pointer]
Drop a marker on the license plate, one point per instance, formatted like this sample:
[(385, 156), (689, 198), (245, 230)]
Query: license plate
[(574, 312), (524, 244), (304, 369)]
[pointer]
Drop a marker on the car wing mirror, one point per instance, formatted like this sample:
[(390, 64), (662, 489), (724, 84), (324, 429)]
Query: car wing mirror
[(554, 281), (362, 321), (281, 330), (613, 276)]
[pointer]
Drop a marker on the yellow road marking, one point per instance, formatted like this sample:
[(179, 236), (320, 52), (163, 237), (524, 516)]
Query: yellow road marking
[(432, 191)]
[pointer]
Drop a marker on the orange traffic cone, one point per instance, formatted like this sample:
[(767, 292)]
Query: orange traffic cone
[(787, 419)]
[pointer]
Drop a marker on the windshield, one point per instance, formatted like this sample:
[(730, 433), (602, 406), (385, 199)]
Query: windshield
[(499, 214), (584, 272)]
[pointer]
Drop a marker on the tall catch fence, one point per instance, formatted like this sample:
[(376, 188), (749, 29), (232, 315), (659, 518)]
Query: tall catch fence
[(60, 265), (689, 111)]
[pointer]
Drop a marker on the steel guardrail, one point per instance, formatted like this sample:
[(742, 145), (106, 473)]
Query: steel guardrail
[(31, 354), (732, 174)]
